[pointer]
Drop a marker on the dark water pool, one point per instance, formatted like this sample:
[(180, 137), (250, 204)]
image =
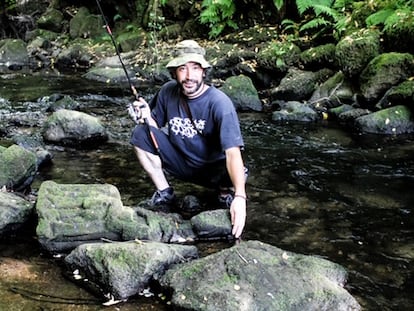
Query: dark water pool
[(313, 189)]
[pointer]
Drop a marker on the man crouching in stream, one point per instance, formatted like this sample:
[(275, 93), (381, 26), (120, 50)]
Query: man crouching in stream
[(204, 142)]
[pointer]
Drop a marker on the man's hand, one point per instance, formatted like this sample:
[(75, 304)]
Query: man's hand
[(139, 111), (238, 215)]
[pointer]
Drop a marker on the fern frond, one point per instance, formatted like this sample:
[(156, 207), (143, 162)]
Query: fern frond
[(379, 17), (305, 5), (398, 17), (324, 10), (342, 4), (278, 4), (315, 23)]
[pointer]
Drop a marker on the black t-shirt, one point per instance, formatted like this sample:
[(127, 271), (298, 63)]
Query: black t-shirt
[(213, 114)]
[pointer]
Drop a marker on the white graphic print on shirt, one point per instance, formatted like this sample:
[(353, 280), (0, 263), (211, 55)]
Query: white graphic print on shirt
[(185, 128)]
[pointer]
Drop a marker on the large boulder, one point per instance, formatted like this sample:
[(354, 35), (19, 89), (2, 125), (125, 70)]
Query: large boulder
[(256, 276), (243, 93), (398, 31), (334, 92), (76, 55), (13, 53), (51, 20), (299, 85), (86, 25), (356, 50), (278, 56), (72, 214), (401, 94), (321, 56), (69, 215)]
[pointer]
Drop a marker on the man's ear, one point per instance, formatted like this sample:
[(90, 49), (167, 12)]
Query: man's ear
[(173, 74)]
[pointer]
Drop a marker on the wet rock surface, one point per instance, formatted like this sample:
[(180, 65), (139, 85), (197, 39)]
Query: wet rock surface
[(256, 276)]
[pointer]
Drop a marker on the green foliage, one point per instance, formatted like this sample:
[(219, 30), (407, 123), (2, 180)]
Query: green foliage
[(289, 26), (397, 16), (379, 17), (218, 15), (390, 13), (10, 5), (278, 4), (278, 55), (313, 5), (323, 16)]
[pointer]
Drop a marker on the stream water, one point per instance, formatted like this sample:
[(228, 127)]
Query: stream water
[(313, 189)]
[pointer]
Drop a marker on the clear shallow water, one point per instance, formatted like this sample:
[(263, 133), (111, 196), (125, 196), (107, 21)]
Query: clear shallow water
[(313, 189)]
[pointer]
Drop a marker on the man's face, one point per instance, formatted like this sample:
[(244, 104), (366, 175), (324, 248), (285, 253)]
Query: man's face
[(190, 77)]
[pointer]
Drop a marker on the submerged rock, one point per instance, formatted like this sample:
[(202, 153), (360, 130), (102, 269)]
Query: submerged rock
[(14, 212), (296, 112), (256, 276), (18, 167), (70, 127)]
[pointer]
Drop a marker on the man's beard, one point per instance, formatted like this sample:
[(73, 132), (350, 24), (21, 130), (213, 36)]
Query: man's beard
[(194, 90)]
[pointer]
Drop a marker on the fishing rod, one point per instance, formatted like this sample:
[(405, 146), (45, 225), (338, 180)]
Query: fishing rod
[(131, 108)]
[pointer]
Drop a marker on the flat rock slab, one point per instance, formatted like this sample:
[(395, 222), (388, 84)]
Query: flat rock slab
[(72, 214), (256, 276)]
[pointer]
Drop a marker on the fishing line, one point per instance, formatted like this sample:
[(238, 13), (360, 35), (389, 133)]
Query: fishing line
[(109, 31), (131, 86)]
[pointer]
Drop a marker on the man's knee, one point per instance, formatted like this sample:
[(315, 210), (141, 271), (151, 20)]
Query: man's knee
[(140, 138)]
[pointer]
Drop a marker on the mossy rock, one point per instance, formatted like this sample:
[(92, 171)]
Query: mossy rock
[(17, 167), (383, 72), (394, 120), (356, 50), (318, 57), (278, 56)]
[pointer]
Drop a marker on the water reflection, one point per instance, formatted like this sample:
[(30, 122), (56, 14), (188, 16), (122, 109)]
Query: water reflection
[(313, 189)]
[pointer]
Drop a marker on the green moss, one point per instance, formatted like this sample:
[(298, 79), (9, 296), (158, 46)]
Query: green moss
[(405, 89), (193, 270), (393, 114), (278, 55)]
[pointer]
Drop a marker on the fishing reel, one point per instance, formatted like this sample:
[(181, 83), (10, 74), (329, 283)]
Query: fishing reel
[(136, 113)]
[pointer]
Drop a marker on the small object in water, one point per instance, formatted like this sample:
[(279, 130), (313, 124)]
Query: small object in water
[(146, 292), (76, 275), (111, 300)]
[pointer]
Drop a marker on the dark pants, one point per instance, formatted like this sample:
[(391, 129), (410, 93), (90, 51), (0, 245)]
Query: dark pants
[(211, 175)]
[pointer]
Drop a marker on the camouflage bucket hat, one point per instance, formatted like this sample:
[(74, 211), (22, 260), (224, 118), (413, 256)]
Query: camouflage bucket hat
[(188, 51)]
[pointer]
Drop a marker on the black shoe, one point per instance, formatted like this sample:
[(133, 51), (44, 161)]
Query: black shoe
[(163, 197)]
